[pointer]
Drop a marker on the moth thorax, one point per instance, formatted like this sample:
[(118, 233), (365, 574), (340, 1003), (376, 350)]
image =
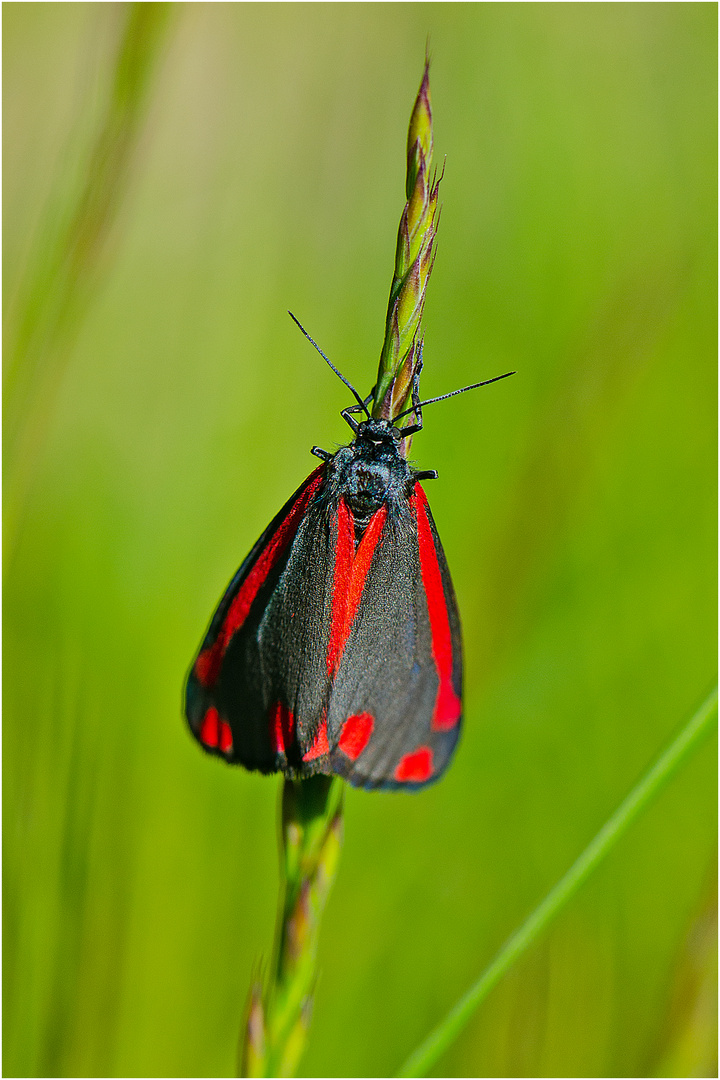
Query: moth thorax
[(366, 488)]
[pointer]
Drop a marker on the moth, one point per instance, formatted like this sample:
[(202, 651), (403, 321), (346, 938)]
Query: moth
[(337, 646)]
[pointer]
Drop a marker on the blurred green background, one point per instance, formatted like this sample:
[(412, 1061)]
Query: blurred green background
[(160, 407)]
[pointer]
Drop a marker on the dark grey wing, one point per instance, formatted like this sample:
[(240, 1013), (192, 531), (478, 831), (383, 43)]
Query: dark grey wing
[(394, 713), (256, 692)]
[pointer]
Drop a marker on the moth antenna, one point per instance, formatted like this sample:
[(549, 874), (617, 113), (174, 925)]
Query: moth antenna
[(339, 374), (432, 400)]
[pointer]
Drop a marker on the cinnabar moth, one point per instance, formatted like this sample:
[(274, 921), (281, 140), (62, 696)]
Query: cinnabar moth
[(336, 647)]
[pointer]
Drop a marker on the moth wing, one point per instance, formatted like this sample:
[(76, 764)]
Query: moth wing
[(395, 709), (262, 662)]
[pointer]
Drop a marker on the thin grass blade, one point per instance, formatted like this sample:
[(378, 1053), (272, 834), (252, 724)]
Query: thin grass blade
[(654, 780)]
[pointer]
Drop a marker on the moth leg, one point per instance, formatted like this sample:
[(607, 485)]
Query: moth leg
[(426, 474), (347, 414), (411, 429)]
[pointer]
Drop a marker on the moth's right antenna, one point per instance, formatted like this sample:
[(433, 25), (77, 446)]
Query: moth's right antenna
[(432, 400)]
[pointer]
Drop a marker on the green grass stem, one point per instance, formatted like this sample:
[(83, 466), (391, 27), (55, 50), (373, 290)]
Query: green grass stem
[(654, 780), (276, 1023)]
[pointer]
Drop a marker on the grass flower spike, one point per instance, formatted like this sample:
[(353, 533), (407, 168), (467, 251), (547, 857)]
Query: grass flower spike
[(401, 352)]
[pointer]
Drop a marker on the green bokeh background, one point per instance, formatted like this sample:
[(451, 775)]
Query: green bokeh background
[(576, 503)]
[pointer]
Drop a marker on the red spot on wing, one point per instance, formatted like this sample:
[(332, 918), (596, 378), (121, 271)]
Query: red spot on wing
[(351, 571), (207, 666), (355, 735), (446, 713), (226, 741), (416, 766), (282, 727), (320, 745), (210, 728), (208, 663)]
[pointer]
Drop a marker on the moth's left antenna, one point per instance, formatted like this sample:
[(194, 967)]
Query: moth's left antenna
[(339, 374)]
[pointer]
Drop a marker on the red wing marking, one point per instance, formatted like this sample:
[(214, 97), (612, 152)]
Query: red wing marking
[(361, 566), (355, 735), (282, 727), (344, 552), (351, 572), (210, 728), (207, 665), (225, 737), (320, 746), (416, 766), (446, 713)]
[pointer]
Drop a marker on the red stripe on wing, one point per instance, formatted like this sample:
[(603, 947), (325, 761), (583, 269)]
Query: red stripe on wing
[(344, 554), (351, 571), (282, 727), (208, 663), (446, 713)]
